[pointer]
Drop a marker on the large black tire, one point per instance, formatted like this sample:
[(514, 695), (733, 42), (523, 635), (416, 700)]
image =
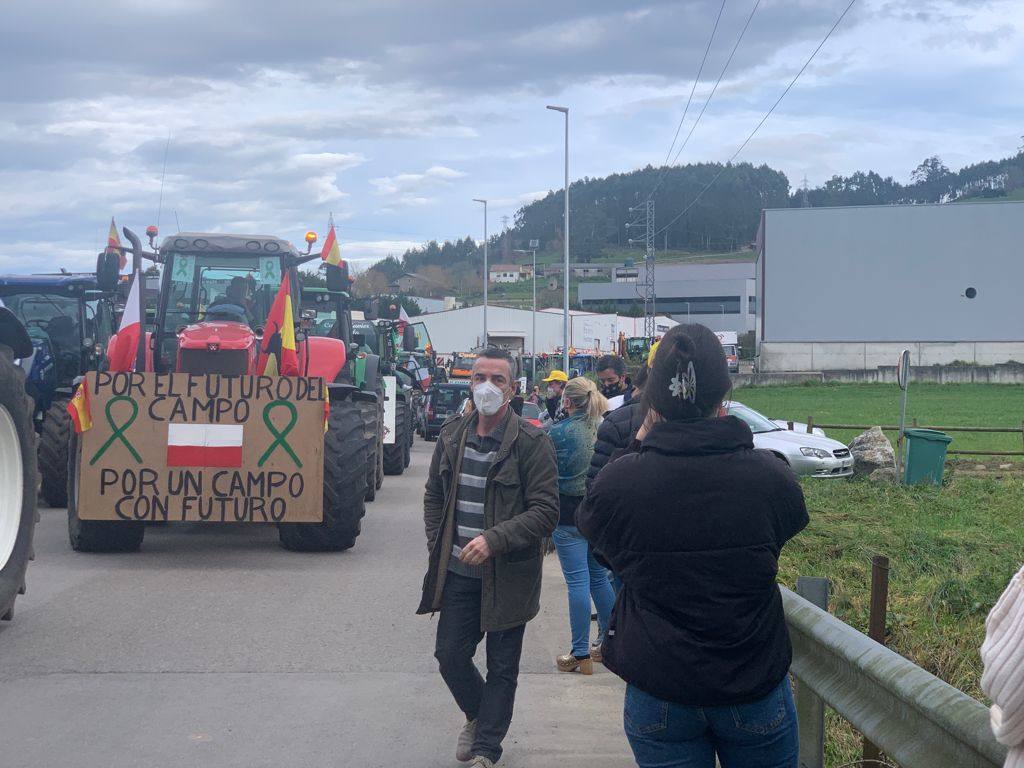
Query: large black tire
[(394, 454), (96, 535), (18, 478), (368, 413), (345, 455), (54, 439), (407, 456)]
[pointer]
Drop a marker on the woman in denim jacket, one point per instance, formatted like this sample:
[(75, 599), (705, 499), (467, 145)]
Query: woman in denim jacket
[(574, 439)]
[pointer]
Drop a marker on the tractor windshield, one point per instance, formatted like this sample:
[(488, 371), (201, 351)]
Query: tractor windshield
[(53, 322), (364, 334), (229, 286)]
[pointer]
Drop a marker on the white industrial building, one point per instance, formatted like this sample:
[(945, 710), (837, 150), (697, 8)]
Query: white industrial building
[(849, 288), (459, 330), (720, 294)]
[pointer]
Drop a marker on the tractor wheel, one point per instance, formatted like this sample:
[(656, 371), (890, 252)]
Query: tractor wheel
[(17, 483), (345, 455), (96, 535), (53, 454), (394, 454), (368, 413), (407, 454)]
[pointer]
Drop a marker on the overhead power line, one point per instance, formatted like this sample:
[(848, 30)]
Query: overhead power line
[(703, 109), (762, 122), (696, 80), (718, 81)]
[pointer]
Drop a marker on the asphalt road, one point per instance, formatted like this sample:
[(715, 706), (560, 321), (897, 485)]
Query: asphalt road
[(213, 647)]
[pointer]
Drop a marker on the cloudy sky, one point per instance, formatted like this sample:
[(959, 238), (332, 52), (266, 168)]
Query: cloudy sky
[(394, 114)]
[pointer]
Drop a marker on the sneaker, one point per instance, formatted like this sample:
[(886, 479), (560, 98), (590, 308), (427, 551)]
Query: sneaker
[(570, 663), (464, 746), (481, 762), (595, 653)]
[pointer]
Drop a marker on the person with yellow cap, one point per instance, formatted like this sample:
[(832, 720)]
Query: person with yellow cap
[(556, 381)]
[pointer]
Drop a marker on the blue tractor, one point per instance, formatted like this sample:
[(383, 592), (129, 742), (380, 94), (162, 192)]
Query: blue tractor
[(69, 321)]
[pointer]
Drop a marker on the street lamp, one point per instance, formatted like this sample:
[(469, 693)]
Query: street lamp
[(722, 307), (687, 312), (533, 333), (487, 274), (565, 319)]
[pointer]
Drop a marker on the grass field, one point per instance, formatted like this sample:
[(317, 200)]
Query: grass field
[(960, 405), (952, 550)]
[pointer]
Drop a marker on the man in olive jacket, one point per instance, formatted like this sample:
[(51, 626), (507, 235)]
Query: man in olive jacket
[(491, 499)]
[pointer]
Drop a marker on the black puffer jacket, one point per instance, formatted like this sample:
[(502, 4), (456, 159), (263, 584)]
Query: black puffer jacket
[(693, 525), (615, 433)]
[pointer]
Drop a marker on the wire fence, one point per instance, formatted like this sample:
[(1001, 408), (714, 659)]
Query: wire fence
[(1019, 430)]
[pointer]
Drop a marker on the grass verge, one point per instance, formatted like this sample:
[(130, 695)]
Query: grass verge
[(951, 552)]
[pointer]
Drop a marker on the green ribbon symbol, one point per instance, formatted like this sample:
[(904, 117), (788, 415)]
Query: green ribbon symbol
[(181, 269), (119, 429), (280, 435)]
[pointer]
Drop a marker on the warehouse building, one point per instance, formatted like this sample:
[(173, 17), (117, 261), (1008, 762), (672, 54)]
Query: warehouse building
[(849, 288), (720, 295), (460, 330)]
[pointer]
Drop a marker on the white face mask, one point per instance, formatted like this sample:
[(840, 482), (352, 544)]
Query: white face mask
[(488, 398)]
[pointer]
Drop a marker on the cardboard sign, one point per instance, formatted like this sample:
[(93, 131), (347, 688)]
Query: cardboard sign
[(186, 447), (390, 388)]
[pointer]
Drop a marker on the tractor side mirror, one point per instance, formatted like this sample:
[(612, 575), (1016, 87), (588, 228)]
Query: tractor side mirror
[(409, 339), (108, 269), (337, 278)]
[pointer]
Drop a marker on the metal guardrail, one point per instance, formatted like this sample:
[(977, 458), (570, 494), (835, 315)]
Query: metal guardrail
[(914, 717)]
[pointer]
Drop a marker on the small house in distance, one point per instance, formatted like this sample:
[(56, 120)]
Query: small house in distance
[(504, 273)]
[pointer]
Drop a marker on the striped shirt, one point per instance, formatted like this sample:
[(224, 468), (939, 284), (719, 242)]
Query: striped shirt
[(469, 499)]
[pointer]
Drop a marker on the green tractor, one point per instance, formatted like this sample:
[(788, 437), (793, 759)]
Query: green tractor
[(326, 312), (379, 338)]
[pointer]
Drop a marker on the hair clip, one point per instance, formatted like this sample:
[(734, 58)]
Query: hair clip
[(684, 386)]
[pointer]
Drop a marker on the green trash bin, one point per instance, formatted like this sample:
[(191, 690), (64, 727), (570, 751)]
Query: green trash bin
[(925, 457)]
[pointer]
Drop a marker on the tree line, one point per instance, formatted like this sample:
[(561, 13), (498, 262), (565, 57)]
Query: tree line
[(724, 205)]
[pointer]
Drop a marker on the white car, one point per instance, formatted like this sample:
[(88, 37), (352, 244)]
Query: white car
[(812, 455)]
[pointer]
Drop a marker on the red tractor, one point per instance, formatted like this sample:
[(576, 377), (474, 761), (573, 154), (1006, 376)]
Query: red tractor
[(216, 291)]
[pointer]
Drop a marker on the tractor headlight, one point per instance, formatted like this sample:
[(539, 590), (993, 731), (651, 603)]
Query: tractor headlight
[(817, 453)]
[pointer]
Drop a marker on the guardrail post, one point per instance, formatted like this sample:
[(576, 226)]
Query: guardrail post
[(810, 708), (810, 425), (876, 623)]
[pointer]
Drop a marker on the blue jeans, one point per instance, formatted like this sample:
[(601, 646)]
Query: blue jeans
[(762, 734), (585, 579)]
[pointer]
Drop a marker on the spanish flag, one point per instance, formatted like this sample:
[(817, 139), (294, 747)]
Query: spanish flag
[(78, 409), (278, 356), (114, 244), (332, 251)]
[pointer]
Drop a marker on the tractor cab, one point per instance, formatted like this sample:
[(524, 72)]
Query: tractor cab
[(68, 321), (215, 295)]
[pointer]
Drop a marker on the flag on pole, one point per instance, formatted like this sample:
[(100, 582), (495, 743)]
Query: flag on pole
[(278, 355), (126, 345), (79, 409), (331, 252), (114, 244)]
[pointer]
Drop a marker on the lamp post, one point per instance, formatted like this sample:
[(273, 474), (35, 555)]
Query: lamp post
[(487, 274), (533, 333), (565, 238), (687, 312), (722, 307)]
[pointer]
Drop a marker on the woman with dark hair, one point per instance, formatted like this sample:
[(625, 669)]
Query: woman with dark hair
[(693, 521)]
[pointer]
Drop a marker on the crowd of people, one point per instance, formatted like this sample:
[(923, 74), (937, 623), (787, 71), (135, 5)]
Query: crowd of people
[(667, 524)]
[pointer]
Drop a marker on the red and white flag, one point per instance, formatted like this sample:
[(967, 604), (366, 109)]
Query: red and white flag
[(122, 354), (204, 445)]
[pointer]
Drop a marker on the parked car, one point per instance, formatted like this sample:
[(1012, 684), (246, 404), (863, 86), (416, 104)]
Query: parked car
[(811, 455), (442, 401), (537, 415)]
